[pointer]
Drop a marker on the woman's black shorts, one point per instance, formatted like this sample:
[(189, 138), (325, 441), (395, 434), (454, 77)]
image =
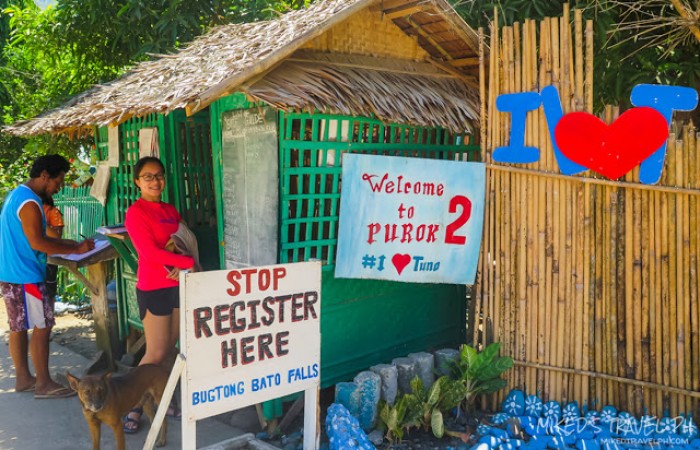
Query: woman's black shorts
[(159, 302)]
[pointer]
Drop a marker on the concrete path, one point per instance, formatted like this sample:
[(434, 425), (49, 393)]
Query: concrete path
[(58, 424)]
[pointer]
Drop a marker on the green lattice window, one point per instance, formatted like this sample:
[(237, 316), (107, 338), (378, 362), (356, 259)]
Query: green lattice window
[(311, 150), (123, 191)]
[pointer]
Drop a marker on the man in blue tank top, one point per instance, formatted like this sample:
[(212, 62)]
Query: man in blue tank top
[(23, 249)]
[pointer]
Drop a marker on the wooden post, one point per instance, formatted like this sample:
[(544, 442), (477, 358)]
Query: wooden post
[(312, 431), (168, 392), (106, 334)]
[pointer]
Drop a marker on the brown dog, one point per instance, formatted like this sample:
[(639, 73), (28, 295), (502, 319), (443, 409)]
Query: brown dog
[(106, 399)]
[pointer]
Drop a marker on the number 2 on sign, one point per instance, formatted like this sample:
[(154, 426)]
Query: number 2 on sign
[(466, 205)]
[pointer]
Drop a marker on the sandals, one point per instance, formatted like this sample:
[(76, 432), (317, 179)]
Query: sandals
[(130, 424), (59, 392)]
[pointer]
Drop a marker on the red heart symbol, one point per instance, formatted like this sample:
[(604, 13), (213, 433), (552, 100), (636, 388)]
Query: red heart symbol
[(400, 261), (612, 150)]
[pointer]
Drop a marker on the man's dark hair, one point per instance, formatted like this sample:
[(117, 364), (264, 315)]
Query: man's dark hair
[(53, 164)]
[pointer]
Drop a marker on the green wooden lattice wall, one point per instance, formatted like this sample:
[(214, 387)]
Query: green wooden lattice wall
[(364, 322)]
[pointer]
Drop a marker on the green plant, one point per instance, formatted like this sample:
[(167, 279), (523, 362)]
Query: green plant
[(426, 408), (391, 418), (70, 290), (480, 372)]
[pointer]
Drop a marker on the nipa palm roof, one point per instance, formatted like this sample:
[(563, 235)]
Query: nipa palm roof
[(249, 58)]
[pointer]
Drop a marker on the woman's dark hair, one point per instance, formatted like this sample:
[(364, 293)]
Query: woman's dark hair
[(48, 200), (138, 167), (53, 164)]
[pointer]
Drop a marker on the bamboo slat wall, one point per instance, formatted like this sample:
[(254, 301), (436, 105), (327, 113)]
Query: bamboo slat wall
[(590, 285)]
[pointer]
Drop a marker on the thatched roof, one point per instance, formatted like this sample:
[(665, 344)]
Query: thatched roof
[(397, 91), (233, 57)]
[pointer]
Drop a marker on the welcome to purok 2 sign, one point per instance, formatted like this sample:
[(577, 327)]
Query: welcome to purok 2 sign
[(410, 219)]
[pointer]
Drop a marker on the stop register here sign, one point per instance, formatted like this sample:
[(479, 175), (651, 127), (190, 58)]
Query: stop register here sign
[(251, 335)]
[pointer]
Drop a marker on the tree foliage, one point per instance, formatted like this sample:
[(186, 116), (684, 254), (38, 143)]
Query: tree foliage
[(115, 33), (50, 55), (623, 58)]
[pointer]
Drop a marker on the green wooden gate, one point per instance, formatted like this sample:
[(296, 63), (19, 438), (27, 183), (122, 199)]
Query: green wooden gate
[(185, 150)]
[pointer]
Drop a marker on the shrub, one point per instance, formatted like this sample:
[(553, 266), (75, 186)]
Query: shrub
[(480, 372)]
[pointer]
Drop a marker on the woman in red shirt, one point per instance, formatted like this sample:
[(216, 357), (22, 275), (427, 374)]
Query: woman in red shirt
[(150, 223)]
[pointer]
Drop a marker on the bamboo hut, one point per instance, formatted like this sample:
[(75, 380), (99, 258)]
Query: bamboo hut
[(284, 99), (311, 60)]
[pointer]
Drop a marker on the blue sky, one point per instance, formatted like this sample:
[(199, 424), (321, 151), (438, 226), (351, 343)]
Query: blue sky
[(43, 3)]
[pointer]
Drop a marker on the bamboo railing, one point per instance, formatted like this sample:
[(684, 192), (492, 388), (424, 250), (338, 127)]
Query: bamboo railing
[(591, 285)]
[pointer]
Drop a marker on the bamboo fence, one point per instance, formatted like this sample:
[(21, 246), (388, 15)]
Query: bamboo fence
[(591, 285)]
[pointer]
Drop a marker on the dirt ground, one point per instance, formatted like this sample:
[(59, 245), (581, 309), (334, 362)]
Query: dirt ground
[(72, 330)]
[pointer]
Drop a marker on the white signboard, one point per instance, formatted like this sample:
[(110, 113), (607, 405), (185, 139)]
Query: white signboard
[(250, 335), (410, 219)]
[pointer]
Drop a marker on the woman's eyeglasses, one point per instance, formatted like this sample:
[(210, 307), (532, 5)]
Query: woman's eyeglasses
[(152, 176)]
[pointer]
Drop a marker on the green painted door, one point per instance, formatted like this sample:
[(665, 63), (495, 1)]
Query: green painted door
[(193, 180)]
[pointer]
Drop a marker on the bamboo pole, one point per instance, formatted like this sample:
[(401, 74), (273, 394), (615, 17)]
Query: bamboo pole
[(545, 44), (560, 239), (694, 318), (680, 271), (608, 291), (589, 264), (534, 227), (658, 300), (665, 297), (689, 145), (482, 92), (577, 217), (527, 321), (645, 278), (564, 57), (653, 299), (579, 72), (481, 292), (616, 379), (597, 181), (518, 213), (672, 280), (599, 297), (506, 219), (637, 303), (494, 120), (589, 66), (543, 329), (628, 298)]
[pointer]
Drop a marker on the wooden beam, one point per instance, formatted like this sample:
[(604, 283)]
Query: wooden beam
[(429, 38), (597, 181), (442, 74), (605, 376), (456, 22), (396, 4), (405, 10), (293, 412), (465, 62)]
